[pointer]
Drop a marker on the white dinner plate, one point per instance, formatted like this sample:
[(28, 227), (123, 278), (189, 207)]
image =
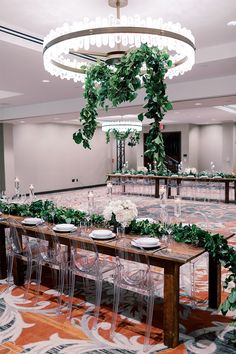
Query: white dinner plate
[(101, 233), (146, 242), (102, 237), (64, 228), (32, 221)]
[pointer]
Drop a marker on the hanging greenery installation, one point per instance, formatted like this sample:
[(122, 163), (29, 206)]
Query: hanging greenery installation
[(107, 86)]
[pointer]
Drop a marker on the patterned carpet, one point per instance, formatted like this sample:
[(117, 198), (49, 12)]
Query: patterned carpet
[(25, 328)]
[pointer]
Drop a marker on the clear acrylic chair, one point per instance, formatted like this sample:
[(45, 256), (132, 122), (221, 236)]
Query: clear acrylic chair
[(133, 273), (86, 262), (19, 247), (54, 255), (192, 215), (35, 252)]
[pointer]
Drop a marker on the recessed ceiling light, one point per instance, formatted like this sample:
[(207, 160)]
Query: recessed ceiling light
[(231, 23), (198, 104), (22, 121), (45, 81), (230, 108)]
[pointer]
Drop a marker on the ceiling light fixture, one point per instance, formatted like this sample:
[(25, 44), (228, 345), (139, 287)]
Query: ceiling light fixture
[(122, 126), (229, 108), (45, 81), (231, 23), (71, 47), (198, 104)]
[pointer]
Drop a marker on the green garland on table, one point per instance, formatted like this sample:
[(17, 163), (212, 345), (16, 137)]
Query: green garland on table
[(215, 244), (106, 85), (183, 174)]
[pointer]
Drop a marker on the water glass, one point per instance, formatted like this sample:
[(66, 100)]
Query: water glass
[(120, 232), (177, 206)]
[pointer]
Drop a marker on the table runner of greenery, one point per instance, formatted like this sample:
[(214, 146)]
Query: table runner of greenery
[(215, 244), (177, 174)]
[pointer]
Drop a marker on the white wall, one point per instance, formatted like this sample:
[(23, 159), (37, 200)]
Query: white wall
[(210, 147), (9, 161), (47, 157), (194, 132)]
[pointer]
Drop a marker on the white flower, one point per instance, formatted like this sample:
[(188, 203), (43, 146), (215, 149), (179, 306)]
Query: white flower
[(187, 170), (193, 170), (124, 210), (142, 169)]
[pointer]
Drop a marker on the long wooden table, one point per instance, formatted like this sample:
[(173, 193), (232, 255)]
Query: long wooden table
[(179, 179), (169, 261)]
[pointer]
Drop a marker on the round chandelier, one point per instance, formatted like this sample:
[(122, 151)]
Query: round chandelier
[(70, 49), (122, 126)]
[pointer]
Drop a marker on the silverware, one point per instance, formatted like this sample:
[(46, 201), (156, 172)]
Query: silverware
[(159, 249)]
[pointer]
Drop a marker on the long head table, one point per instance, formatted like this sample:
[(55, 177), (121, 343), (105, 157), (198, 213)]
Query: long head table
[(169, 261), (178, 179)]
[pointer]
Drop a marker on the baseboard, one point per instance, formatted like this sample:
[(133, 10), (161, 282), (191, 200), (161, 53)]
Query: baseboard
[(70, 189)]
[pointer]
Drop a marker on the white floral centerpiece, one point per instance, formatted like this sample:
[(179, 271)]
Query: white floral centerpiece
[(121, 212), (190, 170)]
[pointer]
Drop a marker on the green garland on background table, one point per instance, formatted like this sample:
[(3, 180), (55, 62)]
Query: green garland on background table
[(215, 244), (106, 85), (183, 174)]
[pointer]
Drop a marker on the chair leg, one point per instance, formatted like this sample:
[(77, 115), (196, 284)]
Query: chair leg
[(98, 300), (150, 305), (115, 308), (10, 259), (71, 292), (61, 278), (38, 279), (28, 276)]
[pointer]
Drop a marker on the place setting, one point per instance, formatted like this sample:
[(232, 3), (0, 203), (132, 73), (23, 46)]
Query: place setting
[(102, 235), (147, 243), (64, 228), (32, 221)]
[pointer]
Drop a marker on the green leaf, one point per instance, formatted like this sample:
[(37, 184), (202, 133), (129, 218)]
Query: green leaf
[(140, 117)]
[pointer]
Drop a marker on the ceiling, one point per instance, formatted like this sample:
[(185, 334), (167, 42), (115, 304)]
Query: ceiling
[(212, 81)]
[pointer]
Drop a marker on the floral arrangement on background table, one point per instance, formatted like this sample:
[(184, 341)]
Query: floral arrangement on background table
[(120, 212), (215, 244)]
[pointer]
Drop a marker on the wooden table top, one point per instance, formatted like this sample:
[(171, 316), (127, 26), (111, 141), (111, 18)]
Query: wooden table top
[(179, 253), (187, 178)]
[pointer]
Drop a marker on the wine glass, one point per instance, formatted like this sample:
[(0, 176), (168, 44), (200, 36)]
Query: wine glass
[(177, 206)]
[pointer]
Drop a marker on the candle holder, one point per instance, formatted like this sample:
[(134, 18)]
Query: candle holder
[(109, 189), (90, 202), (31, 192), (17, 187)]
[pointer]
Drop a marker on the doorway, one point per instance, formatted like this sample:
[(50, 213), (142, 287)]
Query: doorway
[(172, 143)]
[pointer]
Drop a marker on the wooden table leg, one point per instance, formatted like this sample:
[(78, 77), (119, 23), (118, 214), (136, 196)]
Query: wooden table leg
[(235, 191), (214, 283), (157, 187), (3, 257), (171, 305), (178, 186), (226, 191)]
